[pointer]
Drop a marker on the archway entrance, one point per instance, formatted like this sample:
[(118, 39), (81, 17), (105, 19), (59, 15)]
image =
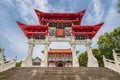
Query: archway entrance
[(60, 64)]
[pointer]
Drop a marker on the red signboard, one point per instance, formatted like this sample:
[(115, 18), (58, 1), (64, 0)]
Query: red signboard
[(60, 32)]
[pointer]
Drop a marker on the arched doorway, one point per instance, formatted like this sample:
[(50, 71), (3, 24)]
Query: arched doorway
[(60, 64)]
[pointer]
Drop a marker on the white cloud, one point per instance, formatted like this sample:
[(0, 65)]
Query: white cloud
[(113, 18), (26, 9), (112, 21), (98, 10), (94, 12), (14, 41)]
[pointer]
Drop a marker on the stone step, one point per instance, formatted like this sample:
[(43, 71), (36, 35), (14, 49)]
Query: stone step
[(41, 73)]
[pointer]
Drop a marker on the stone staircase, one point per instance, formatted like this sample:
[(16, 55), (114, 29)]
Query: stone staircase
[(37, 73)]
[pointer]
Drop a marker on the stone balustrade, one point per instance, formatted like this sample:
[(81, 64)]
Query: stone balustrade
[(7, 65), (112, 64)]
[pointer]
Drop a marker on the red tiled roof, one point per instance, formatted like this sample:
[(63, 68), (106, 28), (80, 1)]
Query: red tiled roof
[(60, 51)]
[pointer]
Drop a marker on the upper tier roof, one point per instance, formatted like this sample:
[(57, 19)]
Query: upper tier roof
[(42, 16)]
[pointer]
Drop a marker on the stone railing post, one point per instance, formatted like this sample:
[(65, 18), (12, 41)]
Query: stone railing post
[(92, 61), (74, 55), (28, 61), (44, 62), (2, 57), (117, 62)]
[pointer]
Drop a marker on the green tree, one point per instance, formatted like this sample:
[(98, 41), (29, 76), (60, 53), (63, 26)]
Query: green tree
[(83, 59), (99, 57), (18, 64), (0, 50), (118, 6), (106, 43)]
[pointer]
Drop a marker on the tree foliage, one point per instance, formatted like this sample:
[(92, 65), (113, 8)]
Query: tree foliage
[(118, 6), (18, 64), (109, 41), (106, 43), (83, 59), (0, 50)]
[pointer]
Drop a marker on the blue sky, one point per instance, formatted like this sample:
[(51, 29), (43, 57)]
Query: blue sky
[(15, 43)]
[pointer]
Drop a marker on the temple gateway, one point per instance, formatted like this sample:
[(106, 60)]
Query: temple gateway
[(59, 27), (59, 63)]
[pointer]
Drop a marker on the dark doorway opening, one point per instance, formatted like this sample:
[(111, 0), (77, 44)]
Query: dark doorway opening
[(60, 64)]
